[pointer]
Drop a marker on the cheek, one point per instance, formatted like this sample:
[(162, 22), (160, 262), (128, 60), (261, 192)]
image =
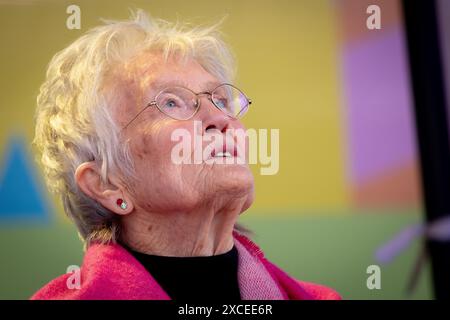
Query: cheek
[(150, 150), (153, 143), (157, 174)]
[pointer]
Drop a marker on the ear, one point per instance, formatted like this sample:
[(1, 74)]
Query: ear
[(88, 179)]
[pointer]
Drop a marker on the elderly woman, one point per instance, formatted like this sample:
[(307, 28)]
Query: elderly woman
[(153, 228)]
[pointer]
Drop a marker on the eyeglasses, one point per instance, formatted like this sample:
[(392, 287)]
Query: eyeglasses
[(181, 103)]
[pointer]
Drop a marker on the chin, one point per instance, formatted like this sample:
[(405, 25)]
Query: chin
[(235, 178)]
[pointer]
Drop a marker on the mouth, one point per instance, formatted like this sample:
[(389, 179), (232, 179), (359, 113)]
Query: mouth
[(225, 151), (225, 154)]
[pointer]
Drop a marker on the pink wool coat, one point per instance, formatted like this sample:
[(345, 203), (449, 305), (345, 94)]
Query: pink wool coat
[(111, 272)]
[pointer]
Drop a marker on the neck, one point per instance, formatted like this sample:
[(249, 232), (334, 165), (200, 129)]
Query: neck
[(205, 231)]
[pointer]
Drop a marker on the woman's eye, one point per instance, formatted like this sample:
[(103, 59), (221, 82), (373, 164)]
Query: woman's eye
[(221, 103), (170, 104)]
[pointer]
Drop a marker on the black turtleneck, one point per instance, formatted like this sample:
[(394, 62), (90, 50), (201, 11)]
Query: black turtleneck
[(212, 278)]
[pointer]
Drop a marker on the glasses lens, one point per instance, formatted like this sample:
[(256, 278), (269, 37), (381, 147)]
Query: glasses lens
[(177, 102), (230, 100)]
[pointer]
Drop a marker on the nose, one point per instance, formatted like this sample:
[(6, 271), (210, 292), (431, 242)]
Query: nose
[(212, 118)]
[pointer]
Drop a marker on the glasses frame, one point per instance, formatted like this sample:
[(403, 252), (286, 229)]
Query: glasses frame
[(197, 101)]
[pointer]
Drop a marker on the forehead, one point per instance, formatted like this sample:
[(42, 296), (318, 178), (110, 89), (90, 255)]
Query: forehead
[(154, 74)]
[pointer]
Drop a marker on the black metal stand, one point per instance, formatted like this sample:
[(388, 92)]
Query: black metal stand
[(432, 128)]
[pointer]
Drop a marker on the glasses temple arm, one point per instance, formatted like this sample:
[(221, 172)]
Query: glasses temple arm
[(143, 109)]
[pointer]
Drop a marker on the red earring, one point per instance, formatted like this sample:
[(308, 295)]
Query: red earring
[(122, 203)]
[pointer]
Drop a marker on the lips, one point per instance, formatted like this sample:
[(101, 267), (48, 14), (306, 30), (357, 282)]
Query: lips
[(225, 150), (225, 154)]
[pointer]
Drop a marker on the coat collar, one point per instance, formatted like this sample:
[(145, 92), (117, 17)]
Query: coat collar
[(111, 272), (112, 266)]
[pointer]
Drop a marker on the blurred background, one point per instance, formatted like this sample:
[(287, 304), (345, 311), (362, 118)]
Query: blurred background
[(340, 94)]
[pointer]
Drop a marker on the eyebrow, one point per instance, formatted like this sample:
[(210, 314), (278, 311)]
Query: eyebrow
[(157, 86)]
